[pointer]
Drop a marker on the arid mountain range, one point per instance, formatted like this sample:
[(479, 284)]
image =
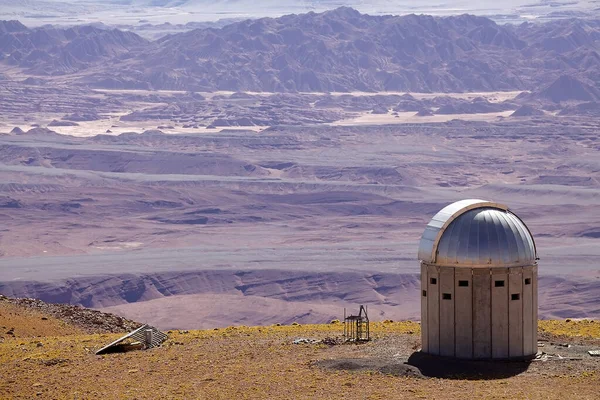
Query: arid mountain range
[(338, 50)]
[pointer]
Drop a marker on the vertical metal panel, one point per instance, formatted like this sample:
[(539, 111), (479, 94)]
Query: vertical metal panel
[(447, 312), (424, 333), (534, 281), (515, 312), (528, 325), (481, 314), (433, 310), (463, 313), (500, 300)]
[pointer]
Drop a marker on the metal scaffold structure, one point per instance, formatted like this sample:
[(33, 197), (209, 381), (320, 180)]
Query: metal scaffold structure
[(356, 327)]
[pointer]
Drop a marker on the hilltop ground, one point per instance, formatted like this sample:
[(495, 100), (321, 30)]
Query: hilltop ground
[(56, 360)]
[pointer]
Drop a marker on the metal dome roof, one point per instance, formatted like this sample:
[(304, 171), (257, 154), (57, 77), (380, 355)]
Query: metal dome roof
[(477, 233)]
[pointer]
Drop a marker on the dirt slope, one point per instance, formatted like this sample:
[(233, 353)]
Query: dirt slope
[(21, 318)]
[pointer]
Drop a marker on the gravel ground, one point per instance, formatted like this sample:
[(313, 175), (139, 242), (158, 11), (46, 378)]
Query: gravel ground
[(398, 354)]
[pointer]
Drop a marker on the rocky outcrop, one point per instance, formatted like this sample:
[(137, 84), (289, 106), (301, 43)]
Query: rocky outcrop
[(91, 321), (591, 109), (527, 111), (567, 88)]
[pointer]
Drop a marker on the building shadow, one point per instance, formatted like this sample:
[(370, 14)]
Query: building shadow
[(452, 368), (123, 348)]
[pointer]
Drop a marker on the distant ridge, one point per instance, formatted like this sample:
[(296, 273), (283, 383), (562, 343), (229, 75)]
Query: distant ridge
[(567, 88), (11, 26), (339, 50), (52, 51)]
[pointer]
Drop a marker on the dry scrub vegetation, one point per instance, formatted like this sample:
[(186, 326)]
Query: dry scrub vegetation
[(257, 362), (583, 329)]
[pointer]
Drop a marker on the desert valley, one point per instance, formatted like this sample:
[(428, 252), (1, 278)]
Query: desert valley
[(278, 170)]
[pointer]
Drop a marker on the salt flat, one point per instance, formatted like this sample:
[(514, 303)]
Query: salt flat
[(368, 119)]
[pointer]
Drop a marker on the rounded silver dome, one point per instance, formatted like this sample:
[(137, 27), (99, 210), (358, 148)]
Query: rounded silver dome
[(477, 233)]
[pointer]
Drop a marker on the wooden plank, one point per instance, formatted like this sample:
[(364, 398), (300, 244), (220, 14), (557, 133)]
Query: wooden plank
[(424, 333), (500, 301), (463, 312), (482, 307), (447, 311), (515, 312), (528, 347), (433, 310), (534, 271)]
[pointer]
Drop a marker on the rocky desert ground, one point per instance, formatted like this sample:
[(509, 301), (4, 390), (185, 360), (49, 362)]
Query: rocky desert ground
[(47, 351), (278, 170)]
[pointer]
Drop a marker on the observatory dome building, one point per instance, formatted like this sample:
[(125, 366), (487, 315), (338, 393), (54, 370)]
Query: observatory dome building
[(478, 283)]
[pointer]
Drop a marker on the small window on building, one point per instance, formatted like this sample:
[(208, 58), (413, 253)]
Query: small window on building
[(528, 281), (463, 283), (499, 283), (424, 293), (433, 281), (515, 296), (446, 296)]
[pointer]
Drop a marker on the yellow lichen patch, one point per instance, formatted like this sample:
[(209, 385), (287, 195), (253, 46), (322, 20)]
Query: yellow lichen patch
[(574, 328), (377, 328), (19, 322)]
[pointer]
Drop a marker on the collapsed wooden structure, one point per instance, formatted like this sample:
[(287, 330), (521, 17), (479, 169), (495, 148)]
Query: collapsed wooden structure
[(144, 337)]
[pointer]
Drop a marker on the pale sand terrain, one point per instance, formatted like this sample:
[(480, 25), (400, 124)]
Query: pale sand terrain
[(368, 119), (112, 124), (286, 224), (93, 128)]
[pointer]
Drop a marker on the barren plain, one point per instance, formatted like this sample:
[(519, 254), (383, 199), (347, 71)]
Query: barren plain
[(286, 224)]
